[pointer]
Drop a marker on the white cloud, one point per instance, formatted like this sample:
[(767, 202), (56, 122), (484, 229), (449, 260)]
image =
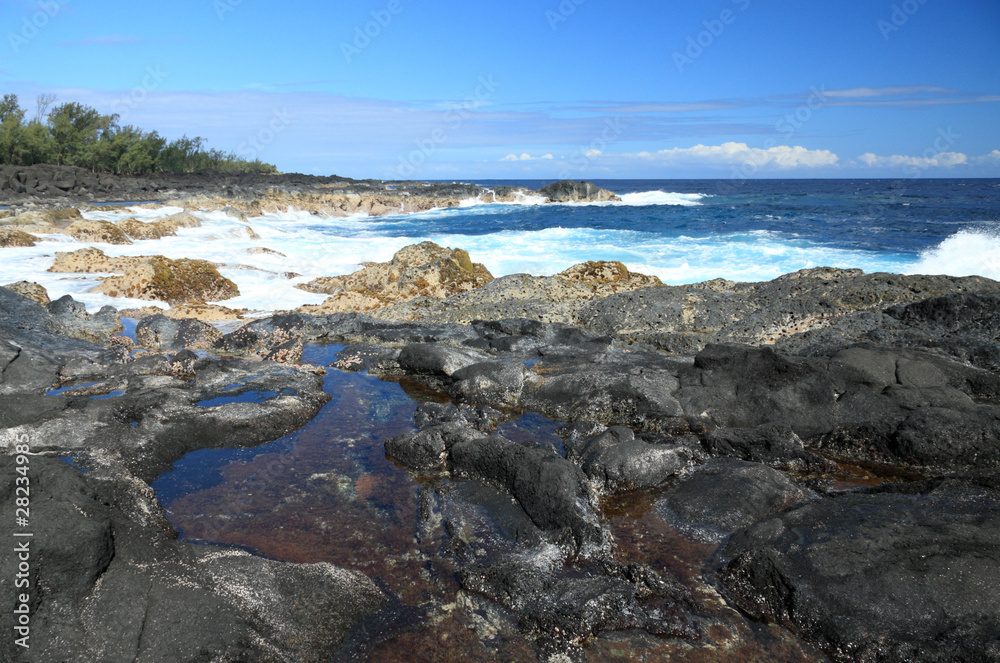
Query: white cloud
[(897, 91), (991, 159), (526, 157), (939, 160), (739, 154)]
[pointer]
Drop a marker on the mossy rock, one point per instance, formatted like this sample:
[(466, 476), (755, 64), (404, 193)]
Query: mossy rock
[(98, 231), (31, 290), (187, 280), (11, 238), (138, 230), (597, 271), (68, 215), (175, 282), (464, 260)]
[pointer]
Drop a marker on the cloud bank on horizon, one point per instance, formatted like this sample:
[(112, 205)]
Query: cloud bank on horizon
[(540, 90)]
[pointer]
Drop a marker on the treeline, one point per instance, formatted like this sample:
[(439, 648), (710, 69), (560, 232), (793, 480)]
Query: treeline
[(73, 134)]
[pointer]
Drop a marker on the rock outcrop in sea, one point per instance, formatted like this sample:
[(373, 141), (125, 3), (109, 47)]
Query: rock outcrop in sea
[(152, 278)]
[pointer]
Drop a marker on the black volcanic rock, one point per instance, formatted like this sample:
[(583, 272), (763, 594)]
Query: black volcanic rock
[(729, 495), (615, 461), (568, 191), (49, 184), (879, 577), (108, 579), (158, 332), (109, 583)]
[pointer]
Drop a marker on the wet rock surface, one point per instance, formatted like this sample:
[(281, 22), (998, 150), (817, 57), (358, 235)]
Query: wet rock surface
[(819, 452), (108, 579), (725, 496), (880, 577), (158, 332), (568, 191), (109, 582)]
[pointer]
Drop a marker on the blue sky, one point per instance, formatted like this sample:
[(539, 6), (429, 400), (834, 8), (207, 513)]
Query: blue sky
[(536, 89)]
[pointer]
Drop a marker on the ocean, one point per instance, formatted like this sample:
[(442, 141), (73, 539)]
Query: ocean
[(682, 231)]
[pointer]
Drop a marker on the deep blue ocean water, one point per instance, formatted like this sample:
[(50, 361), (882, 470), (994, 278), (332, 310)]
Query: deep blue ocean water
[(690, 230)]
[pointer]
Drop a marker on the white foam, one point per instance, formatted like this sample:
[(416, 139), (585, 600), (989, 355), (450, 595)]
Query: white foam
[(639, 199), (313, 246), (661, 198), (966, 253), (490, 198)]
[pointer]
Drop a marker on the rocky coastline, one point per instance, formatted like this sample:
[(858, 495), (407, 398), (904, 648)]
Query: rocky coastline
[(825, 448)]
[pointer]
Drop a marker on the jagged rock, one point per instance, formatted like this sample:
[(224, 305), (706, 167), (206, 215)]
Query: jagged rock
[(31, 290), (72, 318), (98, 231), (545, 299), (193, 310), (481, 418), (11, 237), (783, 311), (565, 612), (428, 449), (552, 491), (367, 357), (611, 388), (138, 230), (607, 277), (264, 336), (171, 281), (776, 445), (879, 577), (419, 270), (568, 191), (895, 407), (88, 261), (437, 361), (159, 332), (42, 220), (109, 583), (169, 225), (489, 383)]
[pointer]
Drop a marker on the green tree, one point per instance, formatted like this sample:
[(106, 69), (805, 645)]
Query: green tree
[(76, 127), (74, 134), (140, 155), (178, 155), (11, 119), (35, 145)]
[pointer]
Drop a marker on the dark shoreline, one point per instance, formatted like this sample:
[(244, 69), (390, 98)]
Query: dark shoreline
[(69, 185)]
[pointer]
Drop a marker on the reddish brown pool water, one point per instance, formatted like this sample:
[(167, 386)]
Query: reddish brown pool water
[(327, 493)]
